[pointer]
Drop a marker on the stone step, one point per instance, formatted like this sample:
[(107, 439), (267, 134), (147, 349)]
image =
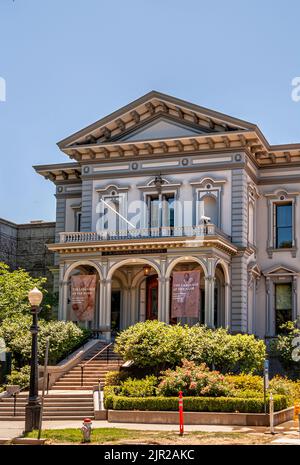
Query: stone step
[(47, 418), (74, 388), (53, 408)]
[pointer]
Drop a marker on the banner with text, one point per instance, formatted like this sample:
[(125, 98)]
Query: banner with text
[(83, 294), (185, 294)]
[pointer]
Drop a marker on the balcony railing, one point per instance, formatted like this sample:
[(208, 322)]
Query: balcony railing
[(146, 233)]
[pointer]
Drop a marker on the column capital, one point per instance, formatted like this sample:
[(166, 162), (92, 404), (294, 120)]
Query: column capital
[(163, 280)]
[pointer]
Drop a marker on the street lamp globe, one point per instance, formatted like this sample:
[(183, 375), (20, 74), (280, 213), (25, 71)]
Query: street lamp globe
[(35, 297)]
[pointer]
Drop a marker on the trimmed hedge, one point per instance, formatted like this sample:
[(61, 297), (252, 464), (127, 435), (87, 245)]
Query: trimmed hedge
[(191, 404)]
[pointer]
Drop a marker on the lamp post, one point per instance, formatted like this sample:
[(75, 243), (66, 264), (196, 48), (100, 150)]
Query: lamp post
[(33, 407)]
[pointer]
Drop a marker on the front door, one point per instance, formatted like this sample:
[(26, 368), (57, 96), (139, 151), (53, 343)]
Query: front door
[(152, 298), (115, 311)]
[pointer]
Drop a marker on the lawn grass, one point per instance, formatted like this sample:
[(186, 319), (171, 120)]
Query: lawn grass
[(124, 436)]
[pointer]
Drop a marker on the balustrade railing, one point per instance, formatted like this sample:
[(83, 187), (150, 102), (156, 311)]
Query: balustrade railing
[(144, 233)]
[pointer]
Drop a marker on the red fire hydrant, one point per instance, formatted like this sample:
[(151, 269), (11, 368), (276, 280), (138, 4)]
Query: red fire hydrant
[(86, 429), (180, 405)]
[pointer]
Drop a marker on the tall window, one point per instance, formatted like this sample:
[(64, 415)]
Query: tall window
[(211, 209), (283, 305), (160, 210), (283, 225), (78, 221)]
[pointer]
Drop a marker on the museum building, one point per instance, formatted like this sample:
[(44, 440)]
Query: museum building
[(162, 189)]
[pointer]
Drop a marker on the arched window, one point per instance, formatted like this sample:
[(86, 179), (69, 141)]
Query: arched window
[(211, 208)]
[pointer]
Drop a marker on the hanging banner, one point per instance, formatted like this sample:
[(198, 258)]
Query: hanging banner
[(185, 294), (83, 293)]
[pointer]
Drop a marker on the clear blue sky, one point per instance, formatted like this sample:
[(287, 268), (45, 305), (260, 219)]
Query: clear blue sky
[(69, 62)]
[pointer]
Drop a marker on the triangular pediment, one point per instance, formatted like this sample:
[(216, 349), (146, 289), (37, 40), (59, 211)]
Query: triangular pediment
[(160, 128), (280, 271), (155, 115)]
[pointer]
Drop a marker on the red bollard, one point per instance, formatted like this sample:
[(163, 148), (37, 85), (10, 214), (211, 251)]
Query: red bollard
[(180, 405)]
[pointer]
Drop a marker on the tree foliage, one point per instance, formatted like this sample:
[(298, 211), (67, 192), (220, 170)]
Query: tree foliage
[(14, 288)]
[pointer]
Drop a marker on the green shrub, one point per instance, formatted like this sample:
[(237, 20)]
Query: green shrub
[(63, 337), (20, 377), (114, 378), (147, 344), (192, 379), (246, 394), (286, 387), (196, 404), (156, 344), (145, 387), (283, 348), (245, 382), (109, 393)]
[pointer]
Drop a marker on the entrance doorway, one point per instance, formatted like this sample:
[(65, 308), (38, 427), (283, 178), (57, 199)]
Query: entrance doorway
[(115, 311), (152, 298)]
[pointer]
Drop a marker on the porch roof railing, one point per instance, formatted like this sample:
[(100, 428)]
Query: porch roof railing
[(145, 233)]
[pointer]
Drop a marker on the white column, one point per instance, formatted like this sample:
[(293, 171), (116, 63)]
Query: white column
[(63, 301), (209, 293), (132, 305), (227, 306), (167, 299), (269, 302), (162, 291), (163, 313), (107, 307), (101, 309)]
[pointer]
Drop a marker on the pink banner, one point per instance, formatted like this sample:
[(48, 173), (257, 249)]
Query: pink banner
[(185, 294), (83, 293)]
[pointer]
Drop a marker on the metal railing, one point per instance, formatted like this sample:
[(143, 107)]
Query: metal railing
[(82, 366), (15, 395), (145, 233)]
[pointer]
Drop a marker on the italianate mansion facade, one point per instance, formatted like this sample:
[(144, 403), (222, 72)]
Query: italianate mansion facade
[(162, 186)]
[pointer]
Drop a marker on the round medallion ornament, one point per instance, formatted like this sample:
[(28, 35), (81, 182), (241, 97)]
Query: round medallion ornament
[(60, 189), (185, 161), (134, 166), (238, 157), (86, 169)]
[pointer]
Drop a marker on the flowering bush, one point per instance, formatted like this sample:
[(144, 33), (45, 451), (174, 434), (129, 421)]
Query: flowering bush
[(193, 380)]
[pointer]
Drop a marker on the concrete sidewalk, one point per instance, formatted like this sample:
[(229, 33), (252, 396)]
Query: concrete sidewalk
[(11, 429)]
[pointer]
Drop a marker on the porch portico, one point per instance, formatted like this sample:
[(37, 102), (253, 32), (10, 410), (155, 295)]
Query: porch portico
[(131, 288)]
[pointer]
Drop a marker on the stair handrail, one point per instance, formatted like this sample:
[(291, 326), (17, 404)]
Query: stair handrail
[(83, 365)]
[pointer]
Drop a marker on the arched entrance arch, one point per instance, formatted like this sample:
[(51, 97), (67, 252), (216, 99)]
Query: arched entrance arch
[(224, 299), (185, 259), (82, 267), (83, 263), (132, 261), (185, 262), (132, 292)]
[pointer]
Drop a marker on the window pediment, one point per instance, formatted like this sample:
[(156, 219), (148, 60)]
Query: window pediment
[(280, 271)]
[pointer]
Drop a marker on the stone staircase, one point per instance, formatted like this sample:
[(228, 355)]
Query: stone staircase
[(62, 406), (94, 370), (68, 398)]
